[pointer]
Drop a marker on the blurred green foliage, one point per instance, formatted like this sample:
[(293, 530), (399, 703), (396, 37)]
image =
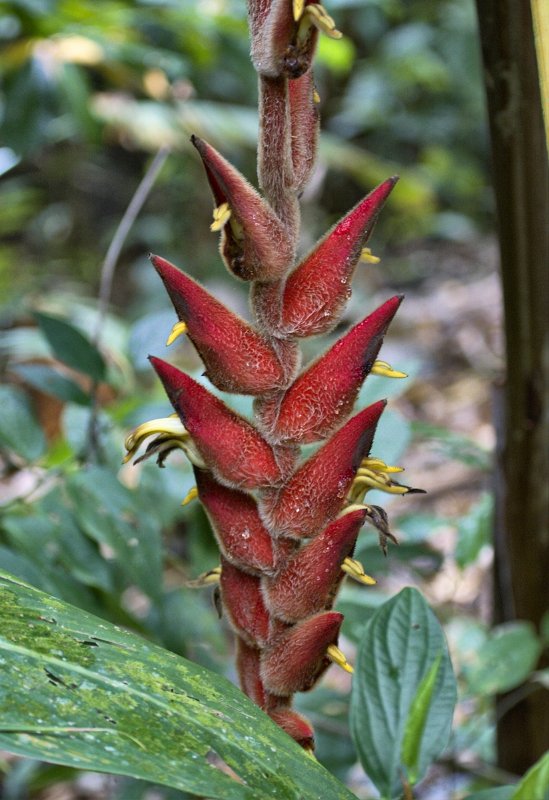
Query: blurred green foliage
[(87, 93)]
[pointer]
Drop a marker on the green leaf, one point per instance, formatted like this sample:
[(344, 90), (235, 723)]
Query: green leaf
[(417, 719), (535, 784), (78, 691), (19, 429), (47, 379), (401, 643), (505, 660), (71, 347)]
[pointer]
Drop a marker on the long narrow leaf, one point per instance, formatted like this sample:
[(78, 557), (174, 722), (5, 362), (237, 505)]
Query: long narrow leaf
[(417, 719), (78, 691)]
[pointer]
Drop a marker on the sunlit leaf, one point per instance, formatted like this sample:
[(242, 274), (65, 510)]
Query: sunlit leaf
[(78, 691)]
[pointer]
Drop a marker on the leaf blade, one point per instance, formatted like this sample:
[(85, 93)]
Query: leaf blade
[(103, 699), (399, 645), (417, 718), (70, 346), (535, 784)]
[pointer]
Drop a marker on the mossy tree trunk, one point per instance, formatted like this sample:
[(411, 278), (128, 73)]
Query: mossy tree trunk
[(520, 167)]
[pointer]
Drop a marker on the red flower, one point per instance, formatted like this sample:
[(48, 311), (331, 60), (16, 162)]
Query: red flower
[(286, 529)]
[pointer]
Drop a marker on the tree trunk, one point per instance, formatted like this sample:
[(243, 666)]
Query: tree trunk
[(521, 186)]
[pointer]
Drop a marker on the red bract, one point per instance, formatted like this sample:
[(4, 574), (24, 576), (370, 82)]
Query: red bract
[(316, 492), (255, 244), (237, 357), (298, 657), (308, 582), (317, 290), (304, 119), (244, 605), (233, 449), (242, 537), (295, 726), (322, 397), (275, 168), (247, 666)]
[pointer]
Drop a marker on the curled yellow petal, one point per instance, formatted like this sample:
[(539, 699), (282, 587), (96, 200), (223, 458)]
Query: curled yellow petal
[(365, 482), (376, 464), (319, 17), (210, 578), (221, 216), (367, 255), (171, 426), (353, 507), (385, 369), (338, 657), (355, 570), (191, 495), (178, 330), (316, 97)]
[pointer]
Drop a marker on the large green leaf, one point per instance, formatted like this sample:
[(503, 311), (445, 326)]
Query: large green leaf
[(404, 692), (78, 691)]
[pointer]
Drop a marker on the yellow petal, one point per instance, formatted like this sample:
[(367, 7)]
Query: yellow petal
[(172, 426), (370, 474), (221, 216), (353, 507), (191, 495), (367, 480), (210, 578), (376, 464), (320, 18), (355, 570), (385, 369), (335, 655), (298, 6), (178, 330), (367, 255)]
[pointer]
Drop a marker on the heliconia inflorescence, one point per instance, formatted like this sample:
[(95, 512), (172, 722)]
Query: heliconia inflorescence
[(286, 527)]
